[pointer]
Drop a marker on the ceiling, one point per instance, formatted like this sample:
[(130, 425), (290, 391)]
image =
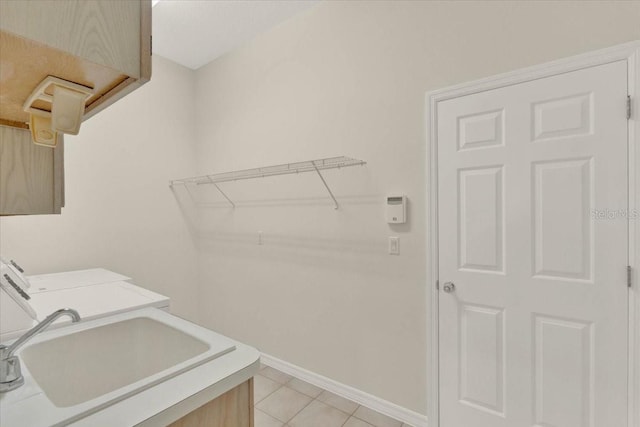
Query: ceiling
[(195, 32)]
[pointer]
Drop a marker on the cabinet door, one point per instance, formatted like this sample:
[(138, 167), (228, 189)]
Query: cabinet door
[(234, 408), (31, 176)]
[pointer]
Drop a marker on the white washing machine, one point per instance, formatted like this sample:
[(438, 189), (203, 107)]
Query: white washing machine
[(26, 300)]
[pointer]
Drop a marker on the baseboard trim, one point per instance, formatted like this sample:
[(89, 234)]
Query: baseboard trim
[(365, 399)]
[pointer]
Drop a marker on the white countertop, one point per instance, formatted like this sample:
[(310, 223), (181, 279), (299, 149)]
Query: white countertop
[(156, 406), (175, 398)]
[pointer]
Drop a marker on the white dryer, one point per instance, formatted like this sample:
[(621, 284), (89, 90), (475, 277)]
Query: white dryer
[(94, 293)]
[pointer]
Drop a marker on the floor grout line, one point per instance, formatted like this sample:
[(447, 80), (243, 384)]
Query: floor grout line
[(300, 409), (281, 385), (285, 384), (346, 421)]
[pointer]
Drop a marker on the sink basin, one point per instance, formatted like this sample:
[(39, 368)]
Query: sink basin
[(85, 367), (78, 367)]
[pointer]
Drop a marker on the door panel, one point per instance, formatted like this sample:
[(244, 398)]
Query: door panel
[(482, 378), (562, 225), (480, 224), (563, 117), (532, 199), (563, 372)]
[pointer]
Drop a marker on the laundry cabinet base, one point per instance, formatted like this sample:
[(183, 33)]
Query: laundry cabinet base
[(232, 409)]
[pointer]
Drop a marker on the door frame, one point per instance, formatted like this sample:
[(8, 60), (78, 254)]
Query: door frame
[(627, 51)]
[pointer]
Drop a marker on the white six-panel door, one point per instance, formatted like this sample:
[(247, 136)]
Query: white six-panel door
[(533, 235)]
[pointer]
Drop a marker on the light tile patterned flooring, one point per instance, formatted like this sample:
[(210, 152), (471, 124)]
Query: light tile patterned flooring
[(284, 401)]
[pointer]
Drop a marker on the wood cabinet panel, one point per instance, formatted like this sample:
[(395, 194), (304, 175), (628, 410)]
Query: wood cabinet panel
[(96, 30), (232, 409), (31, 176)]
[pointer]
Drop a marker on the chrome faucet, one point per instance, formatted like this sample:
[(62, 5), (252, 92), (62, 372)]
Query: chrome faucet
[(10, 373)]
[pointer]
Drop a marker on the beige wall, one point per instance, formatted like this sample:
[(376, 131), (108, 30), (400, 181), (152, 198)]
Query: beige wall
[(349, 78), (120, 213)]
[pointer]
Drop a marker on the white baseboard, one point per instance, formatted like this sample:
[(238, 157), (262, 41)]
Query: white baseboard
[(365, 399)]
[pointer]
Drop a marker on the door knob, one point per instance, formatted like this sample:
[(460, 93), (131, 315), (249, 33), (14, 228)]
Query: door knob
[(449, 287)]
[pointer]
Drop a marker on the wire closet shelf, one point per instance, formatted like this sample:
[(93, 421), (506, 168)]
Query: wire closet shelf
[(284, 169)]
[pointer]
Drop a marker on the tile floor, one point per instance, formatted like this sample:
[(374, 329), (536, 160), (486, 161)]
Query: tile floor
[(284, 401)]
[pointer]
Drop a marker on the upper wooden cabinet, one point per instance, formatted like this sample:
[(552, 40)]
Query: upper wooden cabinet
[(104, 45)]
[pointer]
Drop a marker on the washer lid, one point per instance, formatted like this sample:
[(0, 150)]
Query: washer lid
[(73, 279)]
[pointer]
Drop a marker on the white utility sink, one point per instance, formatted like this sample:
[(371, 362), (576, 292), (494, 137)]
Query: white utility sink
[(81, 366), (85, 367)]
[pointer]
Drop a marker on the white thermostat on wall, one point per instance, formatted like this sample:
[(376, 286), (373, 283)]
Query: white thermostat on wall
[(396, 209)]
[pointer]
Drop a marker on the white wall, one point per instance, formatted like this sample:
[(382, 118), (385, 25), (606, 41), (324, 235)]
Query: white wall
[(120, 213), (349, 78)]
